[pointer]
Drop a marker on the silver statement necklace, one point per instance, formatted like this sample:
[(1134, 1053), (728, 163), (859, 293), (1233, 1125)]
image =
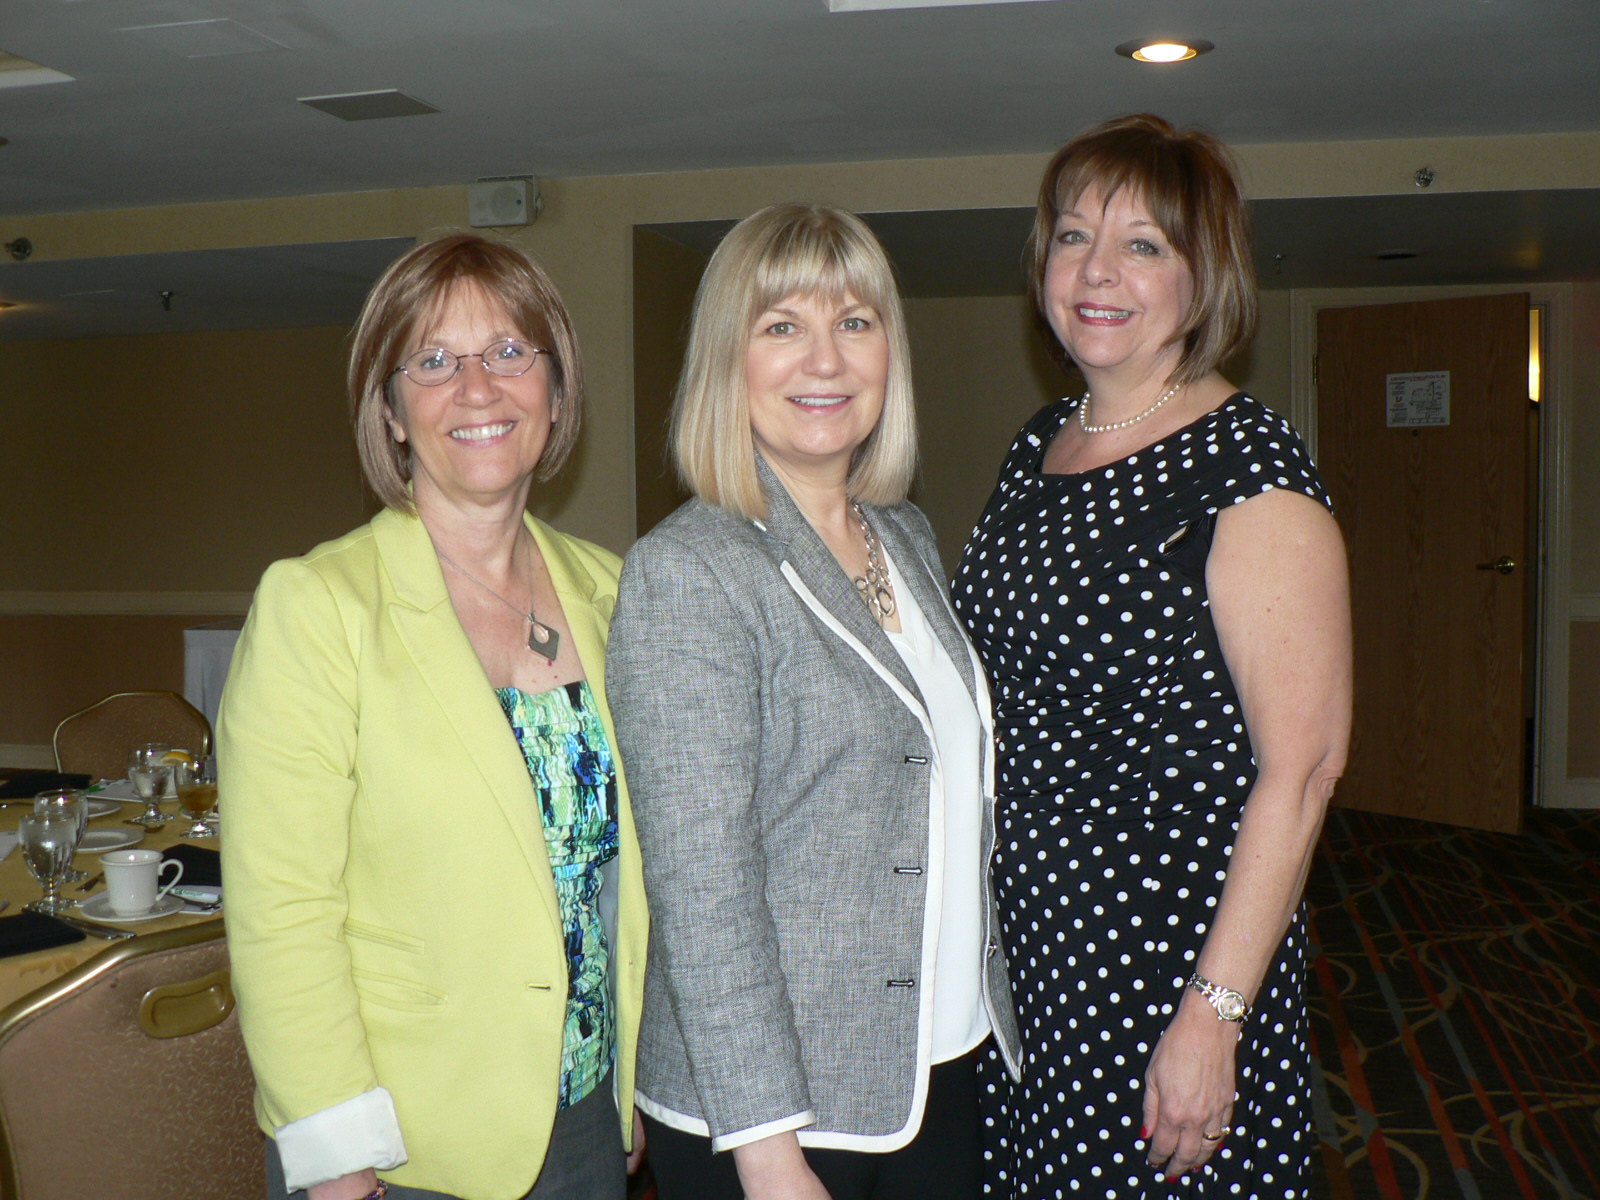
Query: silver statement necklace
[(875, 586), (1083, 408), (541, 638)]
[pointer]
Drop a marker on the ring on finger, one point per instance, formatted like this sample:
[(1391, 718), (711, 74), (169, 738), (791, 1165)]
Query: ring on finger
[(1214, 1137)]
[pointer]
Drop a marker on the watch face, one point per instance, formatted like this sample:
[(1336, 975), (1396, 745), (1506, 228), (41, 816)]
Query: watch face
[(1231, 1006)]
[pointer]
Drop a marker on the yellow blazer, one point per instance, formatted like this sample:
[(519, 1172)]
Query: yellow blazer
[(392, 918)]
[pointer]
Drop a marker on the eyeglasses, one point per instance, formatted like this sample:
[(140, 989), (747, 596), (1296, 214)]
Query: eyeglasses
[(507, 358)]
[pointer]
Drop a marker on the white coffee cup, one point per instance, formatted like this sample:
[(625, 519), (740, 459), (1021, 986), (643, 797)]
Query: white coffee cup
[(133, 880)]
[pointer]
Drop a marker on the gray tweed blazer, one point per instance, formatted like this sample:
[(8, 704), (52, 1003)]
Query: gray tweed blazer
[(779, 758)]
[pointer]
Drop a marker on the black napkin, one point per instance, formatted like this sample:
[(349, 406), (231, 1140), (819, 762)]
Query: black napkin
[(33, 931), (31, 783), (201, 867)]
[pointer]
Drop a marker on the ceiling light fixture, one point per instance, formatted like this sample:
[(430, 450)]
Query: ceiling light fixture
[(1163, 50)]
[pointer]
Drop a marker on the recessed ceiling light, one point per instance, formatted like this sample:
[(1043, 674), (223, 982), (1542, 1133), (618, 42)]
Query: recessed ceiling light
[(1163, 50)]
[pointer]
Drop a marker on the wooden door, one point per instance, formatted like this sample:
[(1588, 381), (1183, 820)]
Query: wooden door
[(1426, 506)]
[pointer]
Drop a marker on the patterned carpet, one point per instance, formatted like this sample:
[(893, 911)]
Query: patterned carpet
[(1455, 997)]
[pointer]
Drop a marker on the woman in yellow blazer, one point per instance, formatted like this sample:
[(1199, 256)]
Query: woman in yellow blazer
[(435, 909)]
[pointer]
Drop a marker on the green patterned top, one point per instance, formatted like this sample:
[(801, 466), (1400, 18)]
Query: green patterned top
[(574, 775)]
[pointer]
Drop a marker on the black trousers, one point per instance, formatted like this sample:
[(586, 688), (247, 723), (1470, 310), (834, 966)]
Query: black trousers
[(943, 1162)]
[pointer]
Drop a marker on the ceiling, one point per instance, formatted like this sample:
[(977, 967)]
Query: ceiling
[(196, 100), (163, 109)]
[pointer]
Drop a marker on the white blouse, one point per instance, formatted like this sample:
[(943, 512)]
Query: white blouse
[(960, 1020)]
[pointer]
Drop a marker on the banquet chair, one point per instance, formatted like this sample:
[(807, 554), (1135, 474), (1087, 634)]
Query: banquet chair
[(97, 740), (126, 1079)]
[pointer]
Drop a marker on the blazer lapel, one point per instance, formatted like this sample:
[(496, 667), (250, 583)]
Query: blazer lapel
[(444, 659), (814, 563), (926, 591)]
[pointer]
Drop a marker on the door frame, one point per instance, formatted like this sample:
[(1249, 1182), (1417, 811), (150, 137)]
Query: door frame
[(1556, 605)]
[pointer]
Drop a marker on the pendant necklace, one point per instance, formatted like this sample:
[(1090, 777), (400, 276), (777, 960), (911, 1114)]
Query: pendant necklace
[(875, 587), (1083, 408), (542, 639)]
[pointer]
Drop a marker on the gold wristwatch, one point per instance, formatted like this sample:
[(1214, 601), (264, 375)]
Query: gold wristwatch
[(1230, 1005)]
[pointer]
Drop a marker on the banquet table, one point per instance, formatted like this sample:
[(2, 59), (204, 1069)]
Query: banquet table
[(22, 973)]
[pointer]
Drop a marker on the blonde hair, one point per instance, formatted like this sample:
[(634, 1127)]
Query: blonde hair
[(1190, 183), (781, 251), (409, 296)]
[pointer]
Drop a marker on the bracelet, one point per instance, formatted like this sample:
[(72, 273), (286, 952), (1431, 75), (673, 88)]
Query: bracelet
[(377, 1193)]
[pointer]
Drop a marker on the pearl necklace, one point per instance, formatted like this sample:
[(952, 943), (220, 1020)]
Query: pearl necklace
[(1083, 407)]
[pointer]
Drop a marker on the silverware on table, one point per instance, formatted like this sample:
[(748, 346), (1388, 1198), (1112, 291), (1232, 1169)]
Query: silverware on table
[(89, 883), (90, 927), (4, 904)]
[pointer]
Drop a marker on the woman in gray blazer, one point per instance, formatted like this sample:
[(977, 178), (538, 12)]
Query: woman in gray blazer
[(807, 734)]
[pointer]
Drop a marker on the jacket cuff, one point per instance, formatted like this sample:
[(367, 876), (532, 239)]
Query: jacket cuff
[(743, 1137), (353, 1135)]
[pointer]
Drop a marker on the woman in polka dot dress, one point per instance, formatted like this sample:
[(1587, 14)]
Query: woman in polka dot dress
[(1158, 591)]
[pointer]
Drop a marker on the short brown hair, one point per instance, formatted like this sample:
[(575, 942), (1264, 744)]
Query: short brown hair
[(780, 251), (409, 295), (1190, 183)]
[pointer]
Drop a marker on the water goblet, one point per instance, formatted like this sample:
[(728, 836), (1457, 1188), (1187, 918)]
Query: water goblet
[(150, 776), (197, 793), (48, 842), (72, 803)]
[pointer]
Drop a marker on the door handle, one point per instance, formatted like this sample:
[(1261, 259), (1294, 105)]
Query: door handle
[(1505, 564)]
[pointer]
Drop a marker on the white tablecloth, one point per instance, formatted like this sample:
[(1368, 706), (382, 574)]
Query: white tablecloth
[(207, 651)]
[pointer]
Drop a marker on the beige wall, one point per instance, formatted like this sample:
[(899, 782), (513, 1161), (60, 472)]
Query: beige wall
[(181, 462), (96, 518)]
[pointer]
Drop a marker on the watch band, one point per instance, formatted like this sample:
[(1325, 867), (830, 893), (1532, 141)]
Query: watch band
[(1230, 1005)]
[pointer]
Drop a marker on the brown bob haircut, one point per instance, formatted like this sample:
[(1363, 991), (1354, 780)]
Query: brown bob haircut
[(1189, 182), (409, 298)]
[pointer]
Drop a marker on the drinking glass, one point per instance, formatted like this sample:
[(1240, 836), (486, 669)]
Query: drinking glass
[(74, 804), (197, 793), (48, 842), (151, 778)]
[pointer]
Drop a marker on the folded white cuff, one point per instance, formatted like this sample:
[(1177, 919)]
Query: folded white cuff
[(743, 1137), (353, 1135)]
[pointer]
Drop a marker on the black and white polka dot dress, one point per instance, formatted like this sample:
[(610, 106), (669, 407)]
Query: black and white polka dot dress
[(1123, 765)]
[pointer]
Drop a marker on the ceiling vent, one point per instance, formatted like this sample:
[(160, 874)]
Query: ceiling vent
[(369, 106)]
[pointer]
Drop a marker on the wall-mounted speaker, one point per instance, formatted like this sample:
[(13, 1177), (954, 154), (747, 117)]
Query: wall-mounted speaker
[(502, 202)]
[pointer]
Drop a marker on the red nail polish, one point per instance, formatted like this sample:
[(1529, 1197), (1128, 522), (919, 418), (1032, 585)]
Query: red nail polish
[(1144, 1131)]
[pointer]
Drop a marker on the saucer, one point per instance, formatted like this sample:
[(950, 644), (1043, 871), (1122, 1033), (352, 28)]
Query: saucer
[(98, 908), (103, 808), (98, 841)]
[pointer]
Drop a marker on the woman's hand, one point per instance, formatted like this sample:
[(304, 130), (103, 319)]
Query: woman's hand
[(346, 1187), (636, 1155), (1189, 1088), (775, 1168)]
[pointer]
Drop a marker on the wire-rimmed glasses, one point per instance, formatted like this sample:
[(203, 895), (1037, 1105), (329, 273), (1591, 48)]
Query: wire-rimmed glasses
[(507, 358)]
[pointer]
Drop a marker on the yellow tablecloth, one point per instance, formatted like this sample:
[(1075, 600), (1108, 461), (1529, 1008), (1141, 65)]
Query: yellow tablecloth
[(22, 973)]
